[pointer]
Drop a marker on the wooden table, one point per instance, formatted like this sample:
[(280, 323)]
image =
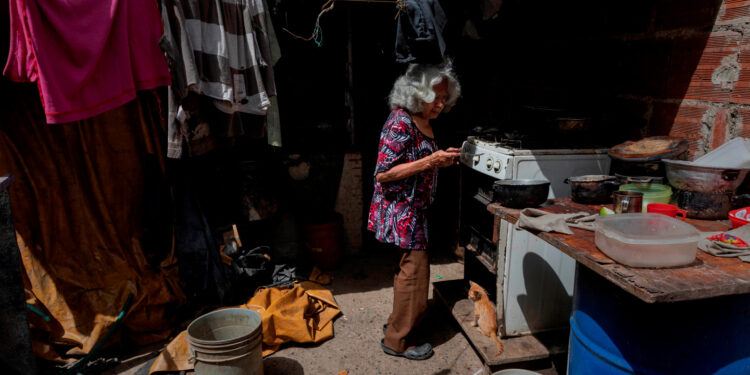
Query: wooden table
[(709, 276), (688, 320)]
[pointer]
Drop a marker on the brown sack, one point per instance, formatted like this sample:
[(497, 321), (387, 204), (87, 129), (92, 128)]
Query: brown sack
[(303, 313)]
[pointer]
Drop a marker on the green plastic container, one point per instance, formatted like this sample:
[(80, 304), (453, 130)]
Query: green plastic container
[(652, 193)]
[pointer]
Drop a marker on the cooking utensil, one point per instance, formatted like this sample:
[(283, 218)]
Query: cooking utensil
[(701, 205), (592, 189), (521, 193), (685, 175), (652, 193), (626, 201), (650, 149), (639, 180), (641, 158)]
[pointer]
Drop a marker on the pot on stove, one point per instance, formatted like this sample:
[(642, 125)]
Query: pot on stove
[(592, 189), (521, 193)]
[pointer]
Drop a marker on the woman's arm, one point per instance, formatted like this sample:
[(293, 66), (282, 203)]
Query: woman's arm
[(440, 158)]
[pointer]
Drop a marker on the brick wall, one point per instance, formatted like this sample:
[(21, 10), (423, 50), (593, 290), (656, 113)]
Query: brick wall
[(642, 68), (685, 72)]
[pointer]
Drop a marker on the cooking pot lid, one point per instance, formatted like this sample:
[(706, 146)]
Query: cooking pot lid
[(650, 149)]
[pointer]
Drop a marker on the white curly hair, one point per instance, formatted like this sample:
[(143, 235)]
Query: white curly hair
[(415, 87)]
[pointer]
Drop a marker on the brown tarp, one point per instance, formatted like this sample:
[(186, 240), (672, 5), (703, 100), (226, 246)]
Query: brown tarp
[(79, 208), (303, 313)]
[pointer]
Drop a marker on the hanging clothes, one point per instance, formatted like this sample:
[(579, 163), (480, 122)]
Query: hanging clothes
[(419, 32), (221, 49), (87, 56)]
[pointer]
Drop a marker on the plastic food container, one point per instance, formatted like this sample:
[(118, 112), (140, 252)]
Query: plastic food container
[(646, 240), (652, 193), (739, 217)]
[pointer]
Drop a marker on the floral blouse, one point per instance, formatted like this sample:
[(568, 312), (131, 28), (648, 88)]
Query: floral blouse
[(398, 209)]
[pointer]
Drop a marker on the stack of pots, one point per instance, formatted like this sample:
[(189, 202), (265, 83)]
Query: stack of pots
[(706, 188), (704, 192), (642, 159)]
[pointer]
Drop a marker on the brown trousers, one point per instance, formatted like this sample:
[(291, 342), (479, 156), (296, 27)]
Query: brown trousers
[(411, 284)]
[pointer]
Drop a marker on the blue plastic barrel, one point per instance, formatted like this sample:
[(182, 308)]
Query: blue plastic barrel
[(613, 332)]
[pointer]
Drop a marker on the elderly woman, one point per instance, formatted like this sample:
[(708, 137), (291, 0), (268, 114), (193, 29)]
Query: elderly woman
[(405, 182)]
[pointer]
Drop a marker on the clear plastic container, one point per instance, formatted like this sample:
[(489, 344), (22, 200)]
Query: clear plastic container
[(647, 240)]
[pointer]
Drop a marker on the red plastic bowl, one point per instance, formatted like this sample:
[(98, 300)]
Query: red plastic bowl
[(738, 221)]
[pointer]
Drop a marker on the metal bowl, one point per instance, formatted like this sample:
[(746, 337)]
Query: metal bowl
[(521, 193), (685, 175)]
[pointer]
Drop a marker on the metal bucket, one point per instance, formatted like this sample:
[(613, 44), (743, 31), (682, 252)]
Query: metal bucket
[(227, 342)]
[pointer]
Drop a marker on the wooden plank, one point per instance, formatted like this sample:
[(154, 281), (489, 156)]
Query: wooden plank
[(707, 277), (452, 294)]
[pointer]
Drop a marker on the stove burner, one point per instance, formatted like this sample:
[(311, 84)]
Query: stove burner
[(510, 143)]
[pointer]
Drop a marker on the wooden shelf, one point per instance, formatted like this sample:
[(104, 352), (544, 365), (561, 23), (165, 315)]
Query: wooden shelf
[(486, 261), (528, 351)]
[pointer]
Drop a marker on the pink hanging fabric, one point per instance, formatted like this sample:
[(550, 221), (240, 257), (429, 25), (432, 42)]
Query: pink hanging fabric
[(87, 56)]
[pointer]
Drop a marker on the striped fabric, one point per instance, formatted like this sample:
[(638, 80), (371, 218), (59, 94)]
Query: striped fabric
[(223, 50), (220, 48)]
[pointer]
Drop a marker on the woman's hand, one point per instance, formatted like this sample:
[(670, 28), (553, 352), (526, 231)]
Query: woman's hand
[(438, 159), (447, 157)]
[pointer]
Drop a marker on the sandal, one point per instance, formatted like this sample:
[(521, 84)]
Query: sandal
[(418, 353)]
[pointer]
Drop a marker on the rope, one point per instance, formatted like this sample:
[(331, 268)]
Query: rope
[(317, 34)]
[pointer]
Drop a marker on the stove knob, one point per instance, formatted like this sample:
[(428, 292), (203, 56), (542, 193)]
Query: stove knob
[(497, 166), (475, 159), (489, 164)]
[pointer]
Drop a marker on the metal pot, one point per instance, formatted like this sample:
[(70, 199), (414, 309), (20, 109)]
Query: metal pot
[(709, 206), (685, 175), (592, 189), (521, 193), (623, 180)]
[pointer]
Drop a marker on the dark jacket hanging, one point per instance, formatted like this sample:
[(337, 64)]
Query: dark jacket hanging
[(419, 32)]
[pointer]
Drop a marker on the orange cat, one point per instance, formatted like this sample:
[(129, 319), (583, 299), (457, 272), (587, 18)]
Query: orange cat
[(484, 314)]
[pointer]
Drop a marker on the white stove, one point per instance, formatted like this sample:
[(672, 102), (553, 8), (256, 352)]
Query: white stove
[(533, 280), (496, 159)]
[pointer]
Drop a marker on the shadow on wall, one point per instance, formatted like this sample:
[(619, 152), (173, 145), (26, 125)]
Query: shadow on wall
[(546, 302)]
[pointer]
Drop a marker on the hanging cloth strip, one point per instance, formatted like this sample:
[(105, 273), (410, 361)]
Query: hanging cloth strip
[(87, 56)]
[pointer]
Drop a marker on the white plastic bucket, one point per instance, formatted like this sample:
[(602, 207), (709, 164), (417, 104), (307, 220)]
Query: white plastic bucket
[(515, 371), (227, 342)]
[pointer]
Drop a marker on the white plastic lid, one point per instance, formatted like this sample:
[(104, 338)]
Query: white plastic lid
[(647, 228)]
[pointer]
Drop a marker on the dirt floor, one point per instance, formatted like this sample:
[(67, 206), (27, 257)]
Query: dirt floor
[(363, 287)]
